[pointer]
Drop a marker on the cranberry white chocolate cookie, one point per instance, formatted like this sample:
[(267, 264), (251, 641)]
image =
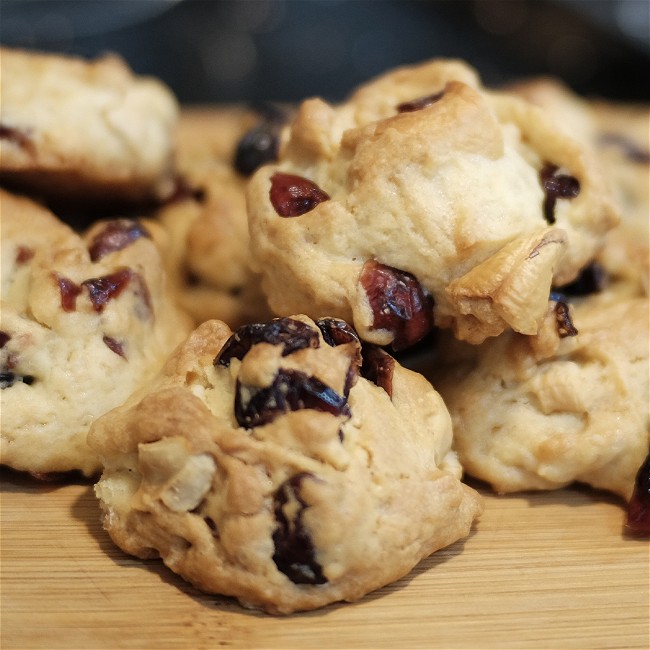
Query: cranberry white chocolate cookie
[(619, 136), (208, 256), (283, 465), (83, 323), (425, 199), (570, 404), (75, 129)]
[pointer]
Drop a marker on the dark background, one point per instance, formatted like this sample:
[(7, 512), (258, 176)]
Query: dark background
[(284, 50)]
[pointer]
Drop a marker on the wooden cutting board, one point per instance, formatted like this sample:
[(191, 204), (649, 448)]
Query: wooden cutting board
[(550, 570)]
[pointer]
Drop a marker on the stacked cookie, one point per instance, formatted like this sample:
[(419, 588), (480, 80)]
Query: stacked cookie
[(279, 452)]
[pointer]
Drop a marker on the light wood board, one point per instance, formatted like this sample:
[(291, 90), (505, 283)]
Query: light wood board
[(550, 570)]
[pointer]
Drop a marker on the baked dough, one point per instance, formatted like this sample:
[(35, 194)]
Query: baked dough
[(475, 195), (619, 136), (207, 251), (272, 466), (84, 321), (84, 131), (538, 413)]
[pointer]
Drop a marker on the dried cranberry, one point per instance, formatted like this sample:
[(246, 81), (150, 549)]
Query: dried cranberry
[(24, 254), (336, 331), (638, 509), (261, 144), (8, 379), (4, 339), (419, 103), (18, 137), (294, 555), (378, 367), (565, 326), (293, 195), (69, 291), (556, 186), (291, 390), (399, 303), (115, 236), (114, 345), (630, 148), (257, 147), (290, 333), (107, 287), (592, 279)]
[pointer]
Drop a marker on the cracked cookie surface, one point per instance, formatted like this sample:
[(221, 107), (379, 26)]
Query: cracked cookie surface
[(84, 321), (83, 130), (473, 194), (283, 465), (538, 413)]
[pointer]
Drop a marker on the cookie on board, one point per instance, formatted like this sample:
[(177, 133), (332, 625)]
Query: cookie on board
[(538, 413), (84, 322), (283, 465), (208, 252), (425, 199), (78, 130)]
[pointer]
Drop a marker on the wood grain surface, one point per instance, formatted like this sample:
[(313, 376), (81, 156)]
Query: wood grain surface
[(549, 570)]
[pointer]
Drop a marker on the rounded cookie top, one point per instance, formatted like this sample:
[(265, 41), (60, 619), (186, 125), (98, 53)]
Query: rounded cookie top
[(425, 198), (207, 251), (541, 412), (283, 465), (618, 134), (84, 322), (73, 129)]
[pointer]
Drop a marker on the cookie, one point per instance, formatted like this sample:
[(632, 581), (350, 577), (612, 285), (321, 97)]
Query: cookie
[(208, 255), (84, 131), (538, 413), (425, 200), (283, 465), (618, 135), (84, 321)]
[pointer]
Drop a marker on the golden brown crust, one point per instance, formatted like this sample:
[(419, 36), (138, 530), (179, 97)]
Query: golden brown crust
[(542, 412), (305, 509), (436, 192), (84, 130), (207, 252), (85, 321)]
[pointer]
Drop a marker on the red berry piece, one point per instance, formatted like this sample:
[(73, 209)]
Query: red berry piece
[(114, 345), (291, 390), (419, 103), (115, 236), (556, 186), (399, 303), (293, 195), (24, 254), (565, 326), (294, 555), (290, 333), (69, 291), (102, 290), (378, 367), (337, 332), (638, 510)]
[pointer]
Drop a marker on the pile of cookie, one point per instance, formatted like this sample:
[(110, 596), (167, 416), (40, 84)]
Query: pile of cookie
[(211, 311)]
